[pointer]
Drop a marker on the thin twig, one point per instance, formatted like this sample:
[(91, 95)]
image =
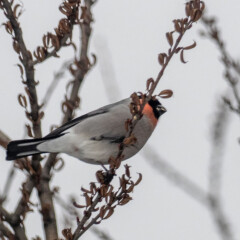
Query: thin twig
[(8, 184), (57, 77), (216, 158), (4, 139), (220, 218), (213, 33), (71, 211), (80, 230), (215, 171), (175, 176)]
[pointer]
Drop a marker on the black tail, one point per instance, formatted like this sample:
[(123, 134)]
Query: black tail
[(23, 148)]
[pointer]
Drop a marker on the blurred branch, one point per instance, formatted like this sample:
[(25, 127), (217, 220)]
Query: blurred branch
[(57, 77), (110, 83), (101, 234), (216, 158), (212, 32), (232, 76), (208, 200), (4, 140), (175, 176), (10, 177), (220, 219)]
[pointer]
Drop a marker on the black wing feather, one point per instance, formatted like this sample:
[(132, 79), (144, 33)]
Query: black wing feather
[(74, 122)]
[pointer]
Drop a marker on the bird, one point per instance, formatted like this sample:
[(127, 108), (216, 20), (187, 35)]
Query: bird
[(95, 136)]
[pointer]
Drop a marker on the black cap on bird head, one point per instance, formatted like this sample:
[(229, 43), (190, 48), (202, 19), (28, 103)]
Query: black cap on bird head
[(157, 107)]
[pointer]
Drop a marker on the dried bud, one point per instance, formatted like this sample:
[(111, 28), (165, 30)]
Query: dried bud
[(182, 57), (191, 46), (139, 179), (167, 93), (196, 14), (130, 140), (169, 36), (29, 130), (161, 58), (150, 83)]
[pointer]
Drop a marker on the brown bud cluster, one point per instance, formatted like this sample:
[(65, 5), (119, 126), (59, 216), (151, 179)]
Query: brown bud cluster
[(101, 192), (63, 33), (194, 9)]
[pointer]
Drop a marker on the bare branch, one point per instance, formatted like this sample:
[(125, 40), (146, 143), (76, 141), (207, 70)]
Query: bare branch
[(71, 211), (79, 75), (216, 158), (220, 219), (26, 60), (213, 33), (57, 77), (175, 176), (18, 229), (215, 169), (8, 184), (4, 231), (101, 234), (83, 64)]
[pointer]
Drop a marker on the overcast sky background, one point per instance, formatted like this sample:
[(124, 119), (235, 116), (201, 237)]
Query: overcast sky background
[(127, 37)]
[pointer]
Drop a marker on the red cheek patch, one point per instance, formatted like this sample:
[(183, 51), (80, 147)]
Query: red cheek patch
[(148, 112)]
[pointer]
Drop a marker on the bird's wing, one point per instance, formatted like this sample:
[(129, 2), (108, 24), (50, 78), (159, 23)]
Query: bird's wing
[(95, 113), (75, 121)]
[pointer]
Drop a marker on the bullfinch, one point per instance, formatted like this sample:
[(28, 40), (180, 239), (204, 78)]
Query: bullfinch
[(95, 136)]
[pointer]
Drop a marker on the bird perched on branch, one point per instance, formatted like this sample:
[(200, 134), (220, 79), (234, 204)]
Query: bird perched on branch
[(95, 136)]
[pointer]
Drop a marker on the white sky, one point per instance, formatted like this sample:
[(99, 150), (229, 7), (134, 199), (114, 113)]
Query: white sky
[(130, 34)]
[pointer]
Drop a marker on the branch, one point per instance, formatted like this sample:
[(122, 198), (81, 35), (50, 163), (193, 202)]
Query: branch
[(26, 59), (8, 184), (213, 33), (219, 129), (4, 231), (83, 64), (4, 140), (194, 11), (57, 77), (83, 67), (220, 218), (174, 176), (18, 229), (63, 32)]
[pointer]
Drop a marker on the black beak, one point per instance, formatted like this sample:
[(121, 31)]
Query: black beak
[(163, 110)]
